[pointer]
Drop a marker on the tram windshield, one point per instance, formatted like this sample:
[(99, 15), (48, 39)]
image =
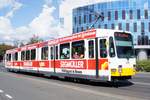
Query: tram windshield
[(124, 45)]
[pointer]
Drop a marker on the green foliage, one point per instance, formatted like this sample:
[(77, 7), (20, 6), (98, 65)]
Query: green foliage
[(3, 48), (34, 39), (143, 65)]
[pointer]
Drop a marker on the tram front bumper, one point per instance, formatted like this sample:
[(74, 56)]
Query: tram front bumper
[(123, 72)]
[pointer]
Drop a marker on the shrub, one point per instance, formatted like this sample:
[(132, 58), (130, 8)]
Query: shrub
[(143, 65)]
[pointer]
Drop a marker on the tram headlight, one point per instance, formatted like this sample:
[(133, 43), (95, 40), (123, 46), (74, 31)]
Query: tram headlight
[(113, 70), (120, 68)]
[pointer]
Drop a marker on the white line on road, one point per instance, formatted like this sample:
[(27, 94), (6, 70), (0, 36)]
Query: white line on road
[(122, 97), (8, 96), (1, 91)]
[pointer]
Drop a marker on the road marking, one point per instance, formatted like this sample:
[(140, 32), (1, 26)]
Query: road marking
[(122, 97), (8, 96), (1, 91), (80, 89), (141, 83)]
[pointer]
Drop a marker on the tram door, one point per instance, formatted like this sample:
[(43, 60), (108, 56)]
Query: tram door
[(102, 70)]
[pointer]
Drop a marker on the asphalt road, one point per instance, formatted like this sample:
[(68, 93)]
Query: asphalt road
[(15, 86)]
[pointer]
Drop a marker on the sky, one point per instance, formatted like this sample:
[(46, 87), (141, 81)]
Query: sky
[(22, 19)]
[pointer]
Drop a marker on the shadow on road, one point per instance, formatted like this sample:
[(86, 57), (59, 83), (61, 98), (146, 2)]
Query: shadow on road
[(117, 84)]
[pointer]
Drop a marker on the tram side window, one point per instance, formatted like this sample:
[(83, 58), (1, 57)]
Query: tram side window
[(16, 56), (111, 47), (28, 55), (13, 56), (33, 54), (78, 50), (44, 53), (103, 48), (56, 52), (8, 57), (91, 48), (52, 52), (23, 56), (65, 51)]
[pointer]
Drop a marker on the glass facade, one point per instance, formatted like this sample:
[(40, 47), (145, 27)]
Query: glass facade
[(127, 15)]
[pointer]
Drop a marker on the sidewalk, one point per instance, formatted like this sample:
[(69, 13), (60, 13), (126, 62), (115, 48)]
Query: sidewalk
[(143, 72)]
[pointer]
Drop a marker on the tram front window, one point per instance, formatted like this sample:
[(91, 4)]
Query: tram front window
[(124, 45)]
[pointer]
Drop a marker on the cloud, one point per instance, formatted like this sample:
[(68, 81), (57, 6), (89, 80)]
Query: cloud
[(48, 2), (44, 23), (5, 3), (5, 25), (13, 4), (5, 30)]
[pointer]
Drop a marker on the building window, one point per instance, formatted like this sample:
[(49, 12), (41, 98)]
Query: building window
[(123, 14), (135, 27), (131, 14), (138, 14), (120, 26), (75, 20), (149, 26), (102, 14), (77, 30), (84, 18), (79, 19), (87, 27), (112, 26), (146, 14), (127, 26), (82, 29), (73, 30), (142, 26), (90, 18), (105, 26), (99, 26), (116, 15), (109, 15)]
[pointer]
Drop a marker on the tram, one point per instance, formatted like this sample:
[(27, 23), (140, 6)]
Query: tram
[(96, 54)]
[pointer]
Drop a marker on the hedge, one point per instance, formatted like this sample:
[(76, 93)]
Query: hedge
[(143, 65)]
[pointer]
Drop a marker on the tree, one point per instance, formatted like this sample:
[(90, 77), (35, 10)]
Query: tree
[(3, 48), (34, 39)]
